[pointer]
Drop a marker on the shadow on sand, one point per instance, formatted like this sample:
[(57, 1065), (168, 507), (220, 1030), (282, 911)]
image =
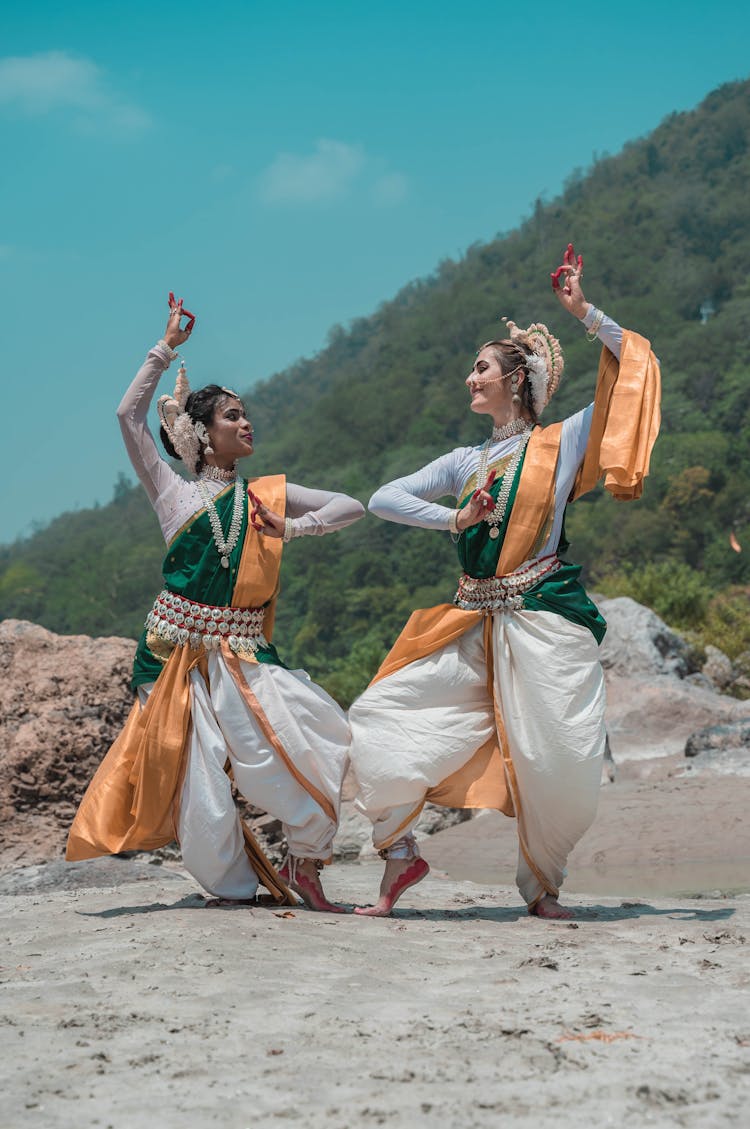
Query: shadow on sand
[(626, 911)]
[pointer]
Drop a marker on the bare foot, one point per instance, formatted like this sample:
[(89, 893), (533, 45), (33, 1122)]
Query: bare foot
[(550, 909), (398, 876), (306, 883)]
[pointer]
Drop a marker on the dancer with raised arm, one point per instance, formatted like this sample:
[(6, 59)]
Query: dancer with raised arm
[(497, 700), (214, 701)]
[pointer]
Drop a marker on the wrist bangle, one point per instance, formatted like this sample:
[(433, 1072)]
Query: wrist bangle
[(453, 522), (591, 334), (173, 354), (288, 529)]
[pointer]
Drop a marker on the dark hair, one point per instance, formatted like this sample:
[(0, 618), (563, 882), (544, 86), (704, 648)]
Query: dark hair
[(201, 407), (509, 356)]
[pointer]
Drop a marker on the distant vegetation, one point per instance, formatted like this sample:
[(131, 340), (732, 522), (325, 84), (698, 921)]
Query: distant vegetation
[(665, 227)]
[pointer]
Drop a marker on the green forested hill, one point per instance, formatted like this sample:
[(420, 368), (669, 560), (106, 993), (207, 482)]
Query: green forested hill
[(665, 229)]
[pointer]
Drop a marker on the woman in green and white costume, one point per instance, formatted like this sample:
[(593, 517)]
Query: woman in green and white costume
[(498, 699), (213, 697)]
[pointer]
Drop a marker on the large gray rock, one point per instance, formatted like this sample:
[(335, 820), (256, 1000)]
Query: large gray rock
[(730, 738), (718, 668), (656, 693), (640, 644)]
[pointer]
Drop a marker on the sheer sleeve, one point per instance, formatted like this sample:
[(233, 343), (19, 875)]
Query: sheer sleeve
[(609, 332), (153, 471), (315, 512), (410, 500)]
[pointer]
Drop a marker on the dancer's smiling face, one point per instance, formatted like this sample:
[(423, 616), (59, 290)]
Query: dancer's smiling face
[(230, 432), (489, 387)]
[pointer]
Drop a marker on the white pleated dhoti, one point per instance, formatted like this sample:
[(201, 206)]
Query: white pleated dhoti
[(414, 728), (314, 733)]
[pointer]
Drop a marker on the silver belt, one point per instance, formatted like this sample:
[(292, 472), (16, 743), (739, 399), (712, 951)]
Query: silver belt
[(502, 593), (186, 622)]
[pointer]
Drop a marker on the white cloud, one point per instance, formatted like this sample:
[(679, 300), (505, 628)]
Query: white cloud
[(325, 175), (54, 80), (391, 188)]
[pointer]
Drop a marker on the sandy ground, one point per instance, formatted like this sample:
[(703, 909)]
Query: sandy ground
[(127, 1004)]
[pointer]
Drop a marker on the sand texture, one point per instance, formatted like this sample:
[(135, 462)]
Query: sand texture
[(127, 1004)]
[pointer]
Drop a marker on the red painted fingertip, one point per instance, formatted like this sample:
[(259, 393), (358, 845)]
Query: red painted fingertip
[(171, 298)]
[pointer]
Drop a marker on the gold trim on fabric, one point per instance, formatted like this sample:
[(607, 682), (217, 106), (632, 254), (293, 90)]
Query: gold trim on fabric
[(534, 501), (626, 420), (129, 804), (500, 465), (427, 630), (259, 860), (196, 515), (257, 583), (404, 823), (235, 669)]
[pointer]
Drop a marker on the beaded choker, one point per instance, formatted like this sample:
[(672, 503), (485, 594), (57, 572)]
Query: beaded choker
[(515, 427), (216, 474)]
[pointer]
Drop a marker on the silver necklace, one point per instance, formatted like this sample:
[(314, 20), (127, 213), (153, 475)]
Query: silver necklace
[(216, 474), (224, 548), (515, 427), (495, 518)]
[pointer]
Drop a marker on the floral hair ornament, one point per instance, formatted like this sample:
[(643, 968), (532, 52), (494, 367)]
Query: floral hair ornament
[(179, 426), (545, 365)]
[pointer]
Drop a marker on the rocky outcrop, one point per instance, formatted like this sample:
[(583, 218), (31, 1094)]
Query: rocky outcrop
[(721, 748), (659, 691), (63, 699)]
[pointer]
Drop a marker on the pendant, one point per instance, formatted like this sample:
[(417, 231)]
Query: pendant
[(494, 532), (225, 562)]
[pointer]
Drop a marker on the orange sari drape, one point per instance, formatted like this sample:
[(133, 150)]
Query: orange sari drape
[(624, 428), (132, 800)]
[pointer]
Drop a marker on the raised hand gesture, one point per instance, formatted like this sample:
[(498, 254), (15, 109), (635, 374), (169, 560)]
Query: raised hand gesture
[(174, 335), (265, 520), (478, 506), (568, 291)]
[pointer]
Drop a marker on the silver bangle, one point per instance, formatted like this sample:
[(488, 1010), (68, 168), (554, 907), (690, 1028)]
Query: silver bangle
[(288, 529), (173, 354), (591, 334)]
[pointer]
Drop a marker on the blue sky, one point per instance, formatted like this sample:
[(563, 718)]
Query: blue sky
[(286, 167)]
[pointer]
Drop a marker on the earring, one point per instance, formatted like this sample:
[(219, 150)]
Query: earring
[(516, 399), (200, 430)]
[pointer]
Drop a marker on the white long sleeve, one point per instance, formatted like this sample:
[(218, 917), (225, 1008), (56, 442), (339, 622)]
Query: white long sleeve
[(154, 472), (410, 500), (609, 332), (315, 512), (175, 499)]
